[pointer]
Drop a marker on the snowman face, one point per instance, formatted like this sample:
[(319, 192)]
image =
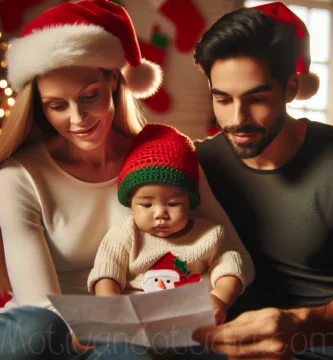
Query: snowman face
[(157, 280)]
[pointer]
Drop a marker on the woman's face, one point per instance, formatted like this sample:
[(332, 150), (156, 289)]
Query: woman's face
[(78, 103)]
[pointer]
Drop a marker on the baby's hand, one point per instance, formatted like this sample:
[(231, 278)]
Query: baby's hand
[(219, 309)]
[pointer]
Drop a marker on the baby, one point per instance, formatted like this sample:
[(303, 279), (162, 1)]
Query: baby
[(161, 246)]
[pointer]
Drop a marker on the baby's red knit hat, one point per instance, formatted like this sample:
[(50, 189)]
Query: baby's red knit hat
[(160, 154)]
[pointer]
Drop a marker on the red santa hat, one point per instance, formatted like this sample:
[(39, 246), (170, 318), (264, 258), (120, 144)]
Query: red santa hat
[(308, 82), (96, 33)]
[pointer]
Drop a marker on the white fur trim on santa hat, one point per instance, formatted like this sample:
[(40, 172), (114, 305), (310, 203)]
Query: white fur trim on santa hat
[(144, 80), (67, 45)]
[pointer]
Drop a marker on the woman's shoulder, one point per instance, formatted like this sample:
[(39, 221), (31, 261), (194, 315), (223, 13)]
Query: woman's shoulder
[(27, 154), (24, 166), (15, 172)]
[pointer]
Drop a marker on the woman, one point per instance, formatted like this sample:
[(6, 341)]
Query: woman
[(63, 144)]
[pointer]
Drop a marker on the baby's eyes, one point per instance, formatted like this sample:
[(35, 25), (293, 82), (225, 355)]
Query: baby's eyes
[(146, 205), (174, 204)]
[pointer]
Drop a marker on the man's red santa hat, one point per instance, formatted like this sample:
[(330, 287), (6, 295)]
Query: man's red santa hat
[(92, 33), (308, 82)]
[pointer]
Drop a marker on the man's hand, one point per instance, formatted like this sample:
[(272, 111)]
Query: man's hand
[(219, 309), (268, 333)]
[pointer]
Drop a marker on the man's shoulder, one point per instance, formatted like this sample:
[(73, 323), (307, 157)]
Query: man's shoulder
[(211, 145), (208, 141), (324, 131), (319, 140)]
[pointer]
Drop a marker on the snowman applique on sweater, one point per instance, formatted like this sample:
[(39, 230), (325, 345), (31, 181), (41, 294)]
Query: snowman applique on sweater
[(167, 273)]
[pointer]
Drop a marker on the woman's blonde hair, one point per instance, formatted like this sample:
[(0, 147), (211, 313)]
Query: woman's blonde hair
[(128, 117), (18, 124), (27, 122)]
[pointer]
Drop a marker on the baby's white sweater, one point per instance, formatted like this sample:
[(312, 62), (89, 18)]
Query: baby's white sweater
[(126, 254)]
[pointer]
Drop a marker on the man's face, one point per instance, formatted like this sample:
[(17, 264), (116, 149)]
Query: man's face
[(248, 103)]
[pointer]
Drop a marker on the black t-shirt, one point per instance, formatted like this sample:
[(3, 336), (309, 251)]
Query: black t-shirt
[(283, 216)]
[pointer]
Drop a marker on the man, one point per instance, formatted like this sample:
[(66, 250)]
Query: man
[(274, 177)]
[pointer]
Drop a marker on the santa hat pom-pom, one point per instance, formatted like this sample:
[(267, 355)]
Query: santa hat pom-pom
[(144, 80), (308, 85)]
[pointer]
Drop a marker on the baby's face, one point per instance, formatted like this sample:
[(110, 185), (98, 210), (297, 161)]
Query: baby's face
[(160, 209)]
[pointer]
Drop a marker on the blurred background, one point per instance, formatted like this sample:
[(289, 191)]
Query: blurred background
[(168, 39)]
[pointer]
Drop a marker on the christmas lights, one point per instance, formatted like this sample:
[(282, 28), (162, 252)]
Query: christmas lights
[(6, 93)]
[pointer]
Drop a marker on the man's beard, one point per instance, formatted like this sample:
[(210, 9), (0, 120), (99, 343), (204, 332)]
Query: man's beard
[(253, 149)]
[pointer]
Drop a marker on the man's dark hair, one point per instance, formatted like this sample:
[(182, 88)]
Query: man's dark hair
[(250, 32)]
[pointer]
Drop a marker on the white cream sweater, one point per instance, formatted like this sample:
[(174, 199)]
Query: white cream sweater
[(126, 254), (52, 225)]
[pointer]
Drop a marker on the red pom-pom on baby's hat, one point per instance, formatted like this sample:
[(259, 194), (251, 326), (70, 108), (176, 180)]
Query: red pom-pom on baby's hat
[(308, 81), (94, 33)]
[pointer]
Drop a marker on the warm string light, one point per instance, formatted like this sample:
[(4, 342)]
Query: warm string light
[(3, 84), (11, 101), (8, 91), (7, 99), (2, 111)]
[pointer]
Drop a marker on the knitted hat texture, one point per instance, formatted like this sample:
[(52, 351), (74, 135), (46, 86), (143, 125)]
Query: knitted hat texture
[(160, 154)]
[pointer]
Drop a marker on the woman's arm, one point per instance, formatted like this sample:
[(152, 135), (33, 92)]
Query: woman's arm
[(29, 263)]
